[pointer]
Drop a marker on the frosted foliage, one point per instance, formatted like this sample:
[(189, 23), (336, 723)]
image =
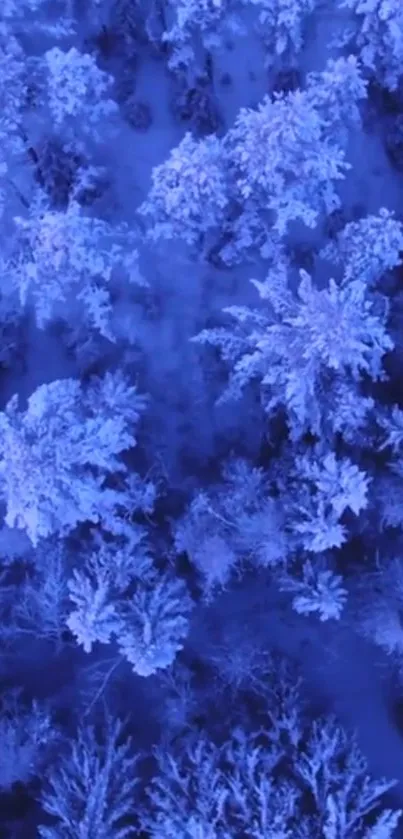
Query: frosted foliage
[(322, 489), (343, 332), (379, 602), (91, 791), (336, 93), (56, 455), (77, 92), (188, 196), (25, 736), (186, 795), (94, 617), (319, 591), (368, 248), (380, 37), (242, 788), (257, 804), (13, 78), (236, 522), (392, 424), (199, 20), (201, 14), (384, 827), (331, 330), (34, 14), (345, 411), (281, 24), (345, 808), (62, 254), (98, 586), (202, 791), (155, 625), (41, 605), (339, 483), (281, 158), (215, 561), (386, 500)]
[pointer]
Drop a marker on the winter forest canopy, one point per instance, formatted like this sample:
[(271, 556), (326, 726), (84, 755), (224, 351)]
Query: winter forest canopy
[(201, 419)]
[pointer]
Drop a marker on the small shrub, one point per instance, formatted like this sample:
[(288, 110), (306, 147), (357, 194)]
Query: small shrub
[(137, 114), (197, 105)]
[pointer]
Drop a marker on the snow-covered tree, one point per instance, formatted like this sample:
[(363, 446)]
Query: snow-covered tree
[(91, 791), (289, 344), (246, 786), (25, 738), (39, 605), (338, 482), (316, 489), (368, 248), (392, 424), (118, 595), (344, 800), (186, 794), (336, 92), (99, 583), (278, 164), (282, 24), (189, 194), (70, 260), (197, 26), (282, 161), (13, 75), (234, 524), (78, 94), (378, 33), (317, 590), (155, 624), (95, 617), (52, 19), (377, 601), (57, 454)]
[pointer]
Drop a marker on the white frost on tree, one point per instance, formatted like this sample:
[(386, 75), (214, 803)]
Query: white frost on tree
[(385, 825), (378, 34), (319, 591), (78, 93), (56, 455), (199, 25), (188, 196), (98, 585), (368, 248), (391, 422), (292, 342), (281, 159), (155, 624), (338, 482), (235, 523), (281, 24), (317, 488), (91, 791), (67, 258), (279, 163), (378, 604), (344, 801), (149, 624), (26, 735), (336, 92), (94, 617)]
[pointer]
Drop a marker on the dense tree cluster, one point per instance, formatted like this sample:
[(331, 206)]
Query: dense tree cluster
[(201, 424)]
